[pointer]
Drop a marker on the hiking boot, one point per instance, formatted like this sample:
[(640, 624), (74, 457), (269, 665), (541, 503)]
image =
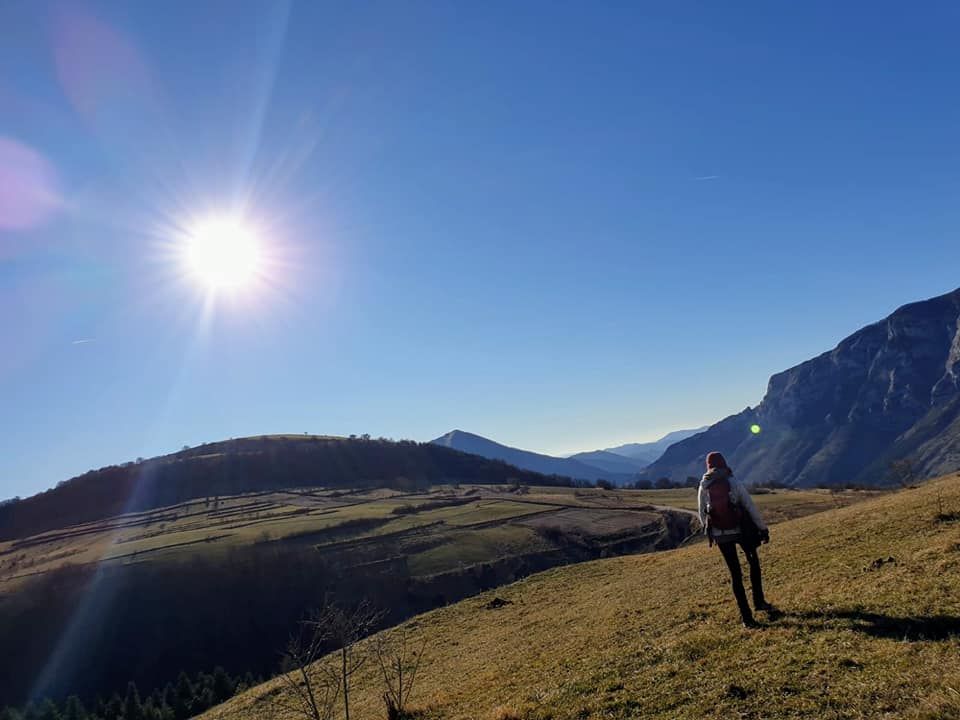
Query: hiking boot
[(763, 606), (750, 624), (772, 612)]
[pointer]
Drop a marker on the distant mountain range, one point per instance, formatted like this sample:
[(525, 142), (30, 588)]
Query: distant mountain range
[(889, 392), (649, 452), (545, 464), (609, 462), (619, 464)]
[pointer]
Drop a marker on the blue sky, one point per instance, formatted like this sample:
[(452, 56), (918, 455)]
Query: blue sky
[(560, 225)]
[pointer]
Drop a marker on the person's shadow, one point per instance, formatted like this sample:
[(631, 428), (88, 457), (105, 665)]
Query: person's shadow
[(913, 629)]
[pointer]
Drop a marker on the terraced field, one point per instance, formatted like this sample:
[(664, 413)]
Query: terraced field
[(464, 517)]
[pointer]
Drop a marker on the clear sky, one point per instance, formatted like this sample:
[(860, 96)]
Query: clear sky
[(562, 225)]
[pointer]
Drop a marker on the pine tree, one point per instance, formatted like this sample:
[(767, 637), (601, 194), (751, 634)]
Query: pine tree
[(49, 710), (151, 711), (182, 698), (204, 701), (30, 712), (114, 709), (168, 696), (132, 707), (249, 681), (203, 682), (9, 713), (223, 687), (73, 709)]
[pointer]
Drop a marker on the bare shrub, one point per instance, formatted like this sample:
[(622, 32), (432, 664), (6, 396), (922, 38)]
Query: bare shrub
[(314, 687), (318, 682), (399, 660), (901, 472)]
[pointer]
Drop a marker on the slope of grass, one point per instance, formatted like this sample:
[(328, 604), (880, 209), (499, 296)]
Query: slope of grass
[(870, 596), (475, 547), (777, 505)]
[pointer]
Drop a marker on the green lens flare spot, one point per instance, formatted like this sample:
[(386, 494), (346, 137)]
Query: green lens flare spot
[(755, 429)]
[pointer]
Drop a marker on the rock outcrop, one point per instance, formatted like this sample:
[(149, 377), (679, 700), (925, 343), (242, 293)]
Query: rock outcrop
[(890, 391)]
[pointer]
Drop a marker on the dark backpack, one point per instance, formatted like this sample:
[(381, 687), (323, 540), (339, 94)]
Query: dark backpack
[(724, 515)]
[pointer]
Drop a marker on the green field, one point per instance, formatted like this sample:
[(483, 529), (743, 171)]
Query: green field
[(478, 546), (332, 518)]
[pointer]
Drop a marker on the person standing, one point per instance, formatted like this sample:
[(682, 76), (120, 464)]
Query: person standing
[(730, 518)]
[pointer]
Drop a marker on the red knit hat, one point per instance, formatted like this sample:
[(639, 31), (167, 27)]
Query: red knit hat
[(716, 460)]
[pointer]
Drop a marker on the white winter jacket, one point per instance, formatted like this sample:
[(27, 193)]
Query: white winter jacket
[(738, 496)]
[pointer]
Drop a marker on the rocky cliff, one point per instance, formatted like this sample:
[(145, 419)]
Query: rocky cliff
[(889, 391)]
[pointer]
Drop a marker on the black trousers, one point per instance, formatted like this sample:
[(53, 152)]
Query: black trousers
[(729, 552)]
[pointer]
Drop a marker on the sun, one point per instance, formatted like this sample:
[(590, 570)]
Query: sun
[(223, 252)]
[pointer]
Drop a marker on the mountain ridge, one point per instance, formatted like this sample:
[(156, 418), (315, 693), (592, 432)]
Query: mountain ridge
[(619, 464), (649, 452), (536, 462), (608, 461), (889, 391)]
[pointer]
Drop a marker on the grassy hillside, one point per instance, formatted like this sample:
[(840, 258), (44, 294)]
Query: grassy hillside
[(870, 596), (183, 578), (246, 465)]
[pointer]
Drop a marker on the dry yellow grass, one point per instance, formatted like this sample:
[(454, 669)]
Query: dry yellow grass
[(656, 636)]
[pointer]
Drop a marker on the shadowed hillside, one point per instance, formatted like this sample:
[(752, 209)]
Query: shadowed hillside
[(870, 628)]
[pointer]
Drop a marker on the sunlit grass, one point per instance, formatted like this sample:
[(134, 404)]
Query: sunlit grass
[(657, 635)]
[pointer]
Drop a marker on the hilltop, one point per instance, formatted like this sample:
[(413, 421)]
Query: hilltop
[(252, 464), (870, 596), (888, 392)]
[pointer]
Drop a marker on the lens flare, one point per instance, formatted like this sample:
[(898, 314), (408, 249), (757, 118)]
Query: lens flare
[(223, 252), (755, 429), (28, 187)]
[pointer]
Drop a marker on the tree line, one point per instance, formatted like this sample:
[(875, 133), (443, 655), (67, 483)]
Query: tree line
[(316, 683), (177, 701)]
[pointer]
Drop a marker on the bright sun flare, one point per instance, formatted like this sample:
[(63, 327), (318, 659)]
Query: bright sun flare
[(223, 252)]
